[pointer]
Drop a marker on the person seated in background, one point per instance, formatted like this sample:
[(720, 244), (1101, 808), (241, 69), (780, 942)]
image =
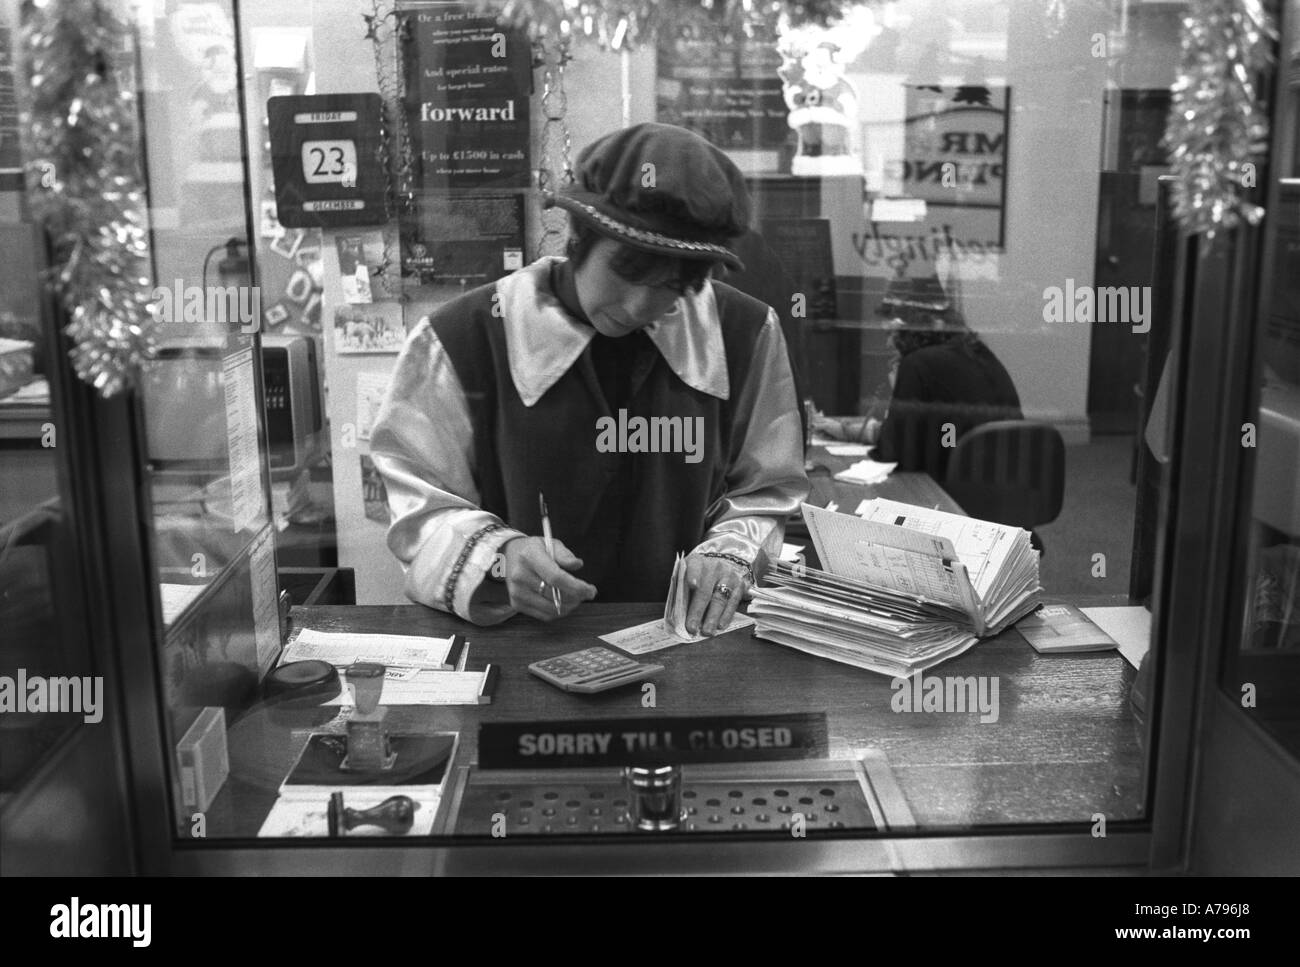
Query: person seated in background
[(941, 373), (547, 381)]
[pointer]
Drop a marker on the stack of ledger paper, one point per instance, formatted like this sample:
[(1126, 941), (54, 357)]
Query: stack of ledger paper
[(904, 588)]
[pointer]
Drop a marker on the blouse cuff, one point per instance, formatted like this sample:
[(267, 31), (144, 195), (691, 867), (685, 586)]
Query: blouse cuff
[(474, 596), (739, 537)]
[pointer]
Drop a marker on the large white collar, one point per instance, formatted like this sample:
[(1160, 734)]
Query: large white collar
[(543, 340)]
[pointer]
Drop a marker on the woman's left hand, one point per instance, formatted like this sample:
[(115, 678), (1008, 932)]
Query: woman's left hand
[(828, 427), (717, 587)]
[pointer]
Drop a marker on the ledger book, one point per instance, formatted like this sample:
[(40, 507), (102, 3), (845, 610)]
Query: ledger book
[(901, 588)]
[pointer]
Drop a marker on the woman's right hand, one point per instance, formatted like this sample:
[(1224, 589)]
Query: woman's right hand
[(530, 574)]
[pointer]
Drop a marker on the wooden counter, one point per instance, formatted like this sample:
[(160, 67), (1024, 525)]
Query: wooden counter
[(1063, 749)]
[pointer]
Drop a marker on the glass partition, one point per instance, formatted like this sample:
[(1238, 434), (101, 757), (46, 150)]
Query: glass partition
[(207, 448), (204, 431), (959, 223), (51, 692)]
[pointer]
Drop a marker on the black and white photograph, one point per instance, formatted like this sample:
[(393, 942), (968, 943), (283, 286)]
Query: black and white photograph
[(651, 438)]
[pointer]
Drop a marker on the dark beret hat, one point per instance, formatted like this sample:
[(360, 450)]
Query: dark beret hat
[(663, 189)]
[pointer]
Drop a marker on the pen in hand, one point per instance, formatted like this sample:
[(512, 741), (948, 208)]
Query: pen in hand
[(550, 544)]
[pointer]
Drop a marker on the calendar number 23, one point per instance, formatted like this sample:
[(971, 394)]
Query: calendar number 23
[(328, 161)]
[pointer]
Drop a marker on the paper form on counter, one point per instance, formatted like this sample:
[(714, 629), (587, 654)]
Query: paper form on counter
[(652, 636), (432, 688), (403, 651)]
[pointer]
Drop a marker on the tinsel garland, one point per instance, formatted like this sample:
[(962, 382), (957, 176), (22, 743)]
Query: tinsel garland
[(82, 130), (627, 24), (388, 31), (554, 170), (1217, 130)]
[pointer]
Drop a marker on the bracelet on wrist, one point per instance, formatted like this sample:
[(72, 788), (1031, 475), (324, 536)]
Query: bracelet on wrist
[(449, 594), (735, 559)]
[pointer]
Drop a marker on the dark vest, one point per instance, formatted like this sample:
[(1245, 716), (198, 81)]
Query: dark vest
[(625, 514)]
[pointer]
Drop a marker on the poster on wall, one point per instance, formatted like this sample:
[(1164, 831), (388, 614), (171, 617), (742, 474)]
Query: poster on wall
[(952, 177), (469, 240), (956, 151), (468, 82), (727, 90)]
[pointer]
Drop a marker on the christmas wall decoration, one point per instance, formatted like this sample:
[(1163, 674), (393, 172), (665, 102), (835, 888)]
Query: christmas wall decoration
[(86, 187), (1218, 127)]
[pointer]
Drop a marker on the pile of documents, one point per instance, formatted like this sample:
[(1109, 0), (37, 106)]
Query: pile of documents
[(903, 588)]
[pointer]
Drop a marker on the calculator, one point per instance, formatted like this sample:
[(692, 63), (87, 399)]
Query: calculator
[(592, 670)]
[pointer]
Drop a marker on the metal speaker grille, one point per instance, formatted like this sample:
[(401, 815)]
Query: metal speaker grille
[(538, 808)]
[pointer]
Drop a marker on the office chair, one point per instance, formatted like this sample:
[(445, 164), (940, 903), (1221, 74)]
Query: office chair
[(1009, 471)]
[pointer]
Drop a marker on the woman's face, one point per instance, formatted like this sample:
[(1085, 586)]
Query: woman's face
[(615, 306)]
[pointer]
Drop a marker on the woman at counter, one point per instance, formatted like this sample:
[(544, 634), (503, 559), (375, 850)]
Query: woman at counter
[(652, 407), (941, 373)]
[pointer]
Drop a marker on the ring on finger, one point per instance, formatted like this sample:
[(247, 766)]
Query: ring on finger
[(722, 591), (541, 587)]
